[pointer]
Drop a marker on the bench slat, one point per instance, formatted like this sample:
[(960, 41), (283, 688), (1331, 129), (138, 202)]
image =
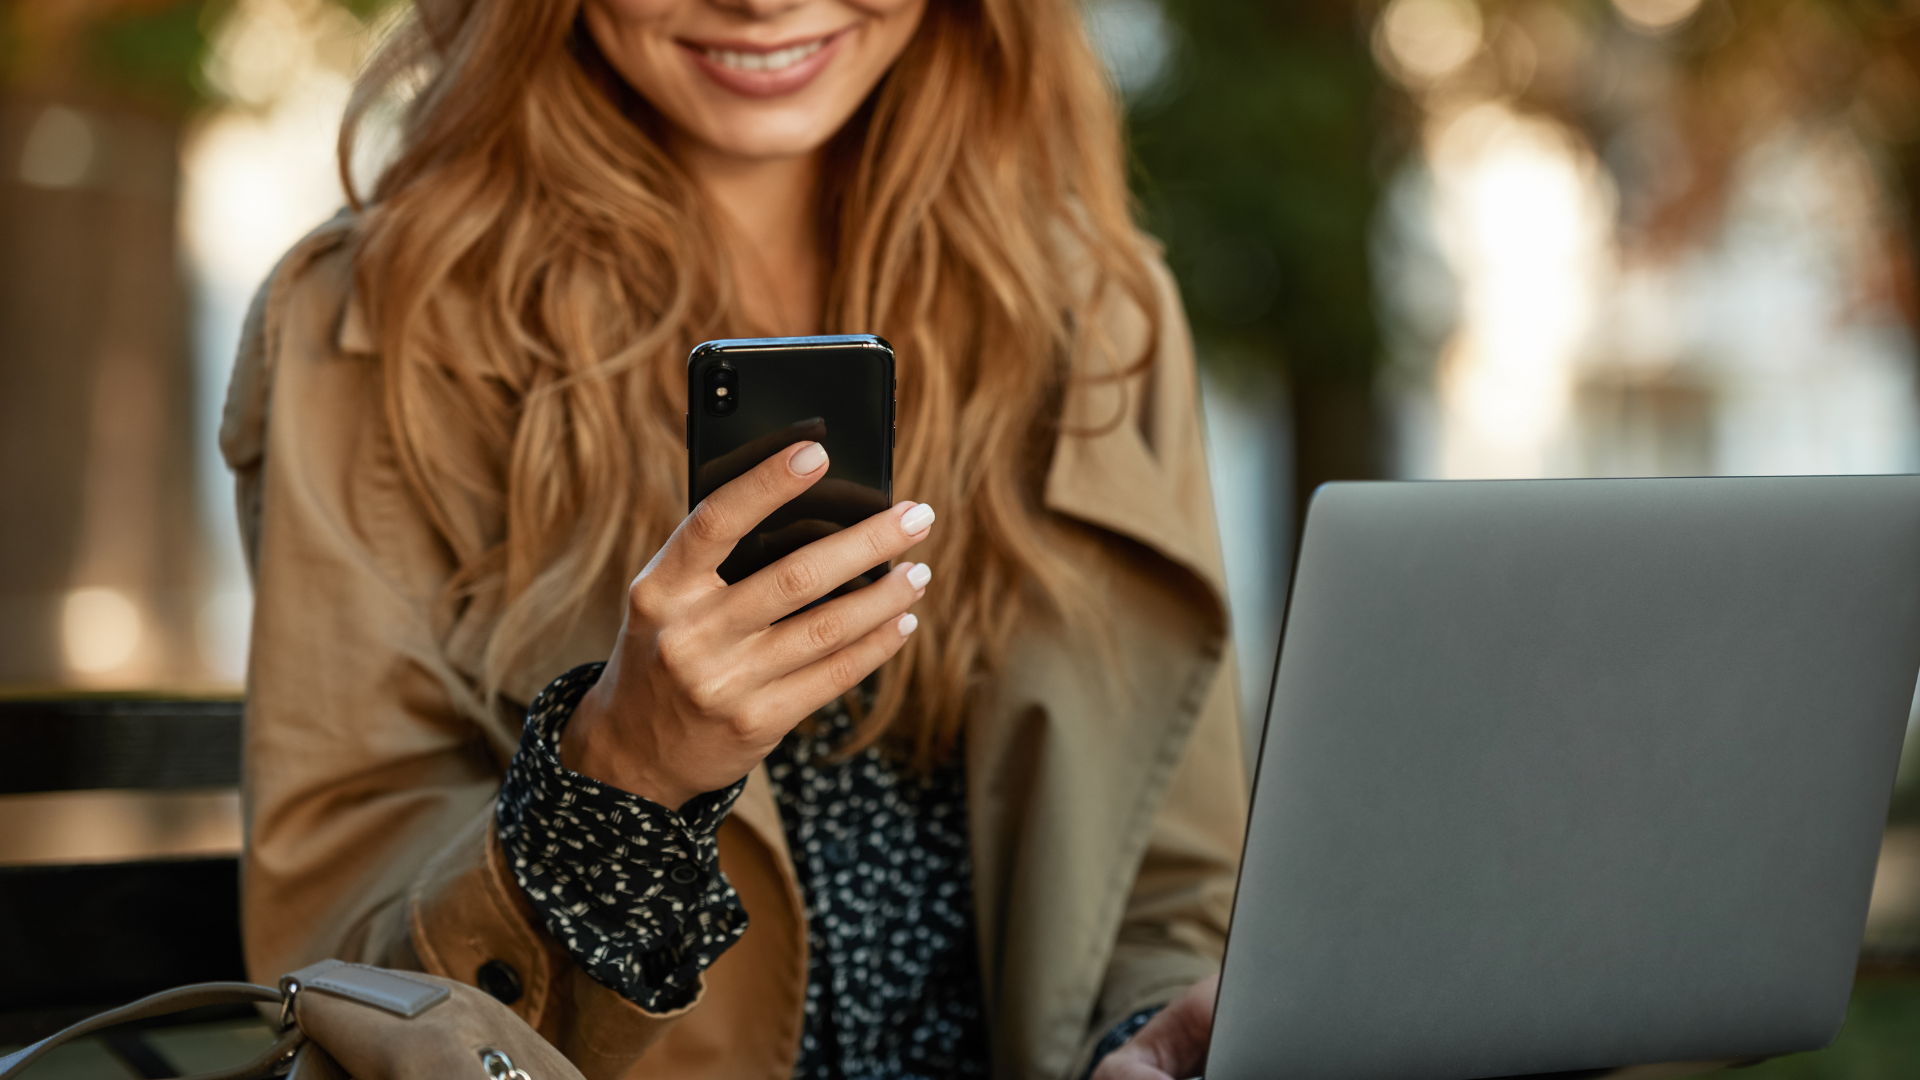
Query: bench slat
[(90, 744)]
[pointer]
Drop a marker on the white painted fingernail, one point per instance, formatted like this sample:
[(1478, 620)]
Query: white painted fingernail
[(808, 458), (919, 575), (916, 519), (907, 623)]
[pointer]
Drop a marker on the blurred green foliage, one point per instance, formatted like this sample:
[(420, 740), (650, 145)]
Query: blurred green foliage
[(156, 56), (1259, 166), (149, 54)]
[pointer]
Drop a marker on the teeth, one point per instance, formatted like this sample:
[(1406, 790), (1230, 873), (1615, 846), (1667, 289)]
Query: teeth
[(773, 61)]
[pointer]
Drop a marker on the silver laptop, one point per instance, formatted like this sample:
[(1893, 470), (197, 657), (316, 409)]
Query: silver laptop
[(1573, 775)]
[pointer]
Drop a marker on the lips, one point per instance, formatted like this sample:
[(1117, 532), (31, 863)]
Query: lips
[(764, 71)]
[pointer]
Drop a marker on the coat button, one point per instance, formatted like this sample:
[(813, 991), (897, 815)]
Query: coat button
[(683, 874), (500, 981)]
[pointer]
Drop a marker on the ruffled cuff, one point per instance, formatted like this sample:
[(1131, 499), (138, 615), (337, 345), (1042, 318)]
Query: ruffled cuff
[(632, 889)]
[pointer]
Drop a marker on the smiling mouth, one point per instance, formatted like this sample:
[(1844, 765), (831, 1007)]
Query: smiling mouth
[(777, 60)]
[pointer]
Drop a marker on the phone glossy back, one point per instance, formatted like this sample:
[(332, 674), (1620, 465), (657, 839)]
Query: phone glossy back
[(750, 398)]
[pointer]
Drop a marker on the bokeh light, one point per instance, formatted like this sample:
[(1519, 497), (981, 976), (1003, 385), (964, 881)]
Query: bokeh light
[(1424, 41), (101, 629), (1657, 16)]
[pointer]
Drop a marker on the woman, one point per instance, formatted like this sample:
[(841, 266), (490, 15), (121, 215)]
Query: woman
[(726, 845)]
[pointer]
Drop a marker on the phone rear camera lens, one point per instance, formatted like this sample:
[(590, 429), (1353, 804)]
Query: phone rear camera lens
[(722, 390)]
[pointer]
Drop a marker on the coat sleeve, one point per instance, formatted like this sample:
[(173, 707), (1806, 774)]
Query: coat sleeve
[(1173, 932), (372, 764)]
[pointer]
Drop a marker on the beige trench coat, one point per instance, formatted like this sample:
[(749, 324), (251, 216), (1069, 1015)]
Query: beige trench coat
[(1106, 806)]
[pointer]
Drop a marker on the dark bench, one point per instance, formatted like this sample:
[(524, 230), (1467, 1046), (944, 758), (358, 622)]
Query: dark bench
[(79, 938)]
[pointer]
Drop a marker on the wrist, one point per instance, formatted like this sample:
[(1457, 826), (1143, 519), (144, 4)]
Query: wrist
[(591, 746)]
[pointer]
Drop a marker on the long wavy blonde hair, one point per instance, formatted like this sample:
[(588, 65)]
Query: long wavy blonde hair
[(975, 214)]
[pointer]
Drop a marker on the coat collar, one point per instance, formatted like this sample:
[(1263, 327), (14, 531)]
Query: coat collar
[(356, 333), (1131, 445)]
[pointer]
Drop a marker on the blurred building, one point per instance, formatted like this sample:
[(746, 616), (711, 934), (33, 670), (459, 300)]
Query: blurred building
[(102, 559), (160, 157)]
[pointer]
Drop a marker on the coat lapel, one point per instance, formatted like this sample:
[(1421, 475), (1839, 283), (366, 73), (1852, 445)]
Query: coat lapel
[(1131, 455), (1071, 748), (1068, 762)]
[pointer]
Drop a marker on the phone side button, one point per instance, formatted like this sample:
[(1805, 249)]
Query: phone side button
[(688, 417)]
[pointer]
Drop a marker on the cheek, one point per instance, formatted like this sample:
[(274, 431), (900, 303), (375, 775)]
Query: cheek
[(891, 27), (896, 20), (633, 11), (886, 9), (634, 34)]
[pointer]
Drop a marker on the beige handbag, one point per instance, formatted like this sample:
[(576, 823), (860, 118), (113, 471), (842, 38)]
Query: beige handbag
[(341, 1021)]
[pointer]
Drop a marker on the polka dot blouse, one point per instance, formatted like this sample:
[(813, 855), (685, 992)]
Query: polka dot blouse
[(893, 986)]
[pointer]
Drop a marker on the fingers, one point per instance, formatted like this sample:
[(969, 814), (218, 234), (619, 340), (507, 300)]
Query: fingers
[(808, 637), (708, 535), (843, 500), (1130, 1063), (723, 469), (826, 564), (1174, 1043), (829, 677)]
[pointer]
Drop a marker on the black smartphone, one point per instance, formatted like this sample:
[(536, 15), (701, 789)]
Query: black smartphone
[(749, 398)]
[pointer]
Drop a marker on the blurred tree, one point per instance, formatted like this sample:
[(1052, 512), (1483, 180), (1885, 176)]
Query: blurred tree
[(147, 54), (1674, 107), (1258, 161), (156, 52), (1770, 65)]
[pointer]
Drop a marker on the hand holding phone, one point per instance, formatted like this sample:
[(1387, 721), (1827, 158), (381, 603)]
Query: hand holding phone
[(710, 673), (748, 397)]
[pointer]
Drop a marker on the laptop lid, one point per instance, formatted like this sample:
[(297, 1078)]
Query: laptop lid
[(1566, 775)]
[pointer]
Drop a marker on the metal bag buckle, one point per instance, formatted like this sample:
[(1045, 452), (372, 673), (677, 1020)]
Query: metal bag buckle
[(289, 989), (500, 1066)]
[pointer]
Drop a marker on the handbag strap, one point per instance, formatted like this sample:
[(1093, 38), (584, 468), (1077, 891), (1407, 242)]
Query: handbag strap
[(162, 1004)]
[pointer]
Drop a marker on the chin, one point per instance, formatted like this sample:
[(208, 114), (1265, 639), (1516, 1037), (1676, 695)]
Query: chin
[(768, 137)]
